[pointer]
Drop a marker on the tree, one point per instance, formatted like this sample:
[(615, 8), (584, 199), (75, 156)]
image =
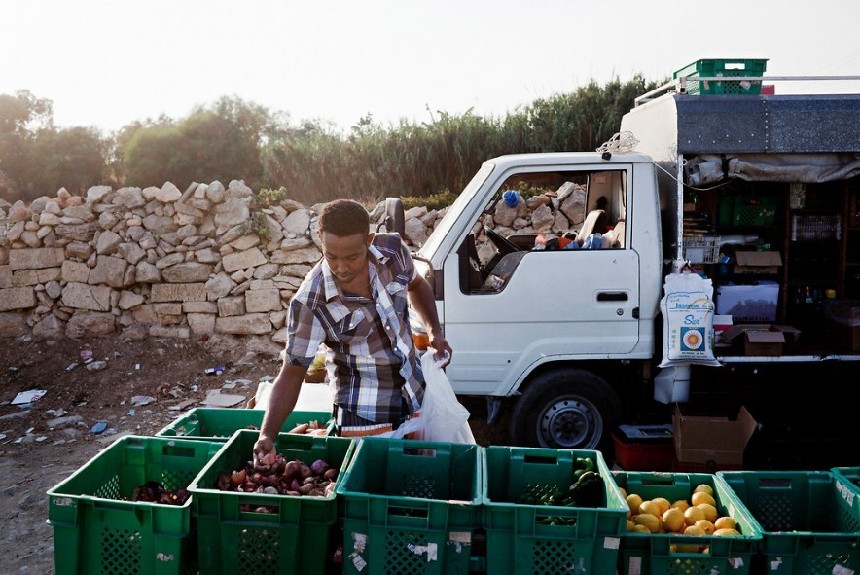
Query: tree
[(71, 158), (220, 142), (21, 116)]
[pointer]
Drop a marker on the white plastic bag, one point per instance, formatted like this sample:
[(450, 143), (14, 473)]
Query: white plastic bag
[(442, 417)]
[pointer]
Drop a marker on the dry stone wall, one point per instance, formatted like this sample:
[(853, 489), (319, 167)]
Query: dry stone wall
[(158, 262)]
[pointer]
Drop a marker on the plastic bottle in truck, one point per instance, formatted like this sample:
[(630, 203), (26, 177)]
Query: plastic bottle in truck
[(552, 303)]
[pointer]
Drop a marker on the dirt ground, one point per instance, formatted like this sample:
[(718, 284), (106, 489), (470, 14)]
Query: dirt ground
[(34, 456)]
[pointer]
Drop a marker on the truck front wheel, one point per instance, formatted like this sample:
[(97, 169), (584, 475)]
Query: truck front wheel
[(565, 409)]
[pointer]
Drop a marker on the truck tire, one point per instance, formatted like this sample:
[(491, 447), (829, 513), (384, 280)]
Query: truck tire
[(565, 408)]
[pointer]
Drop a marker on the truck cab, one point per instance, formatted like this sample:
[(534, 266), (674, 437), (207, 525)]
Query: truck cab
[(526, 313)]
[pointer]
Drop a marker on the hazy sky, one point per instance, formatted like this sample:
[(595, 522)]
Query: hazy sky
[(107, 63)]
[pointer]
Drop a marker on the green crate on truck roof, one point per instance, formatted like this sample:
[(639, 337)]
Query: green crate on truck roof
[(295, 534), (810, 520), (99, 531), (410, 507), (524, 538), (219, 424), (659, 554), (728, 67)]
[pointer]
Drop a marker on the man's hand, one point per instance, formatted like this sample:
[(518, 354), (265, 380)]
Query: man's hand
[(282, 401), (264, 452), (442, 347)]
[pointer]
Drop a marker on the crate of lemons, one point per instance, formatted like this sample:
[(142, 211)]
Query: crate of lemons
[(697, 515), (684, 521)]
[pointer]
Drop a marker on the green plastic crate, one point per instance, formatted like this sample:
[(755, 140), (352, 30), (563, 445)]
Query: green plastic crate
[(809, 519), (296, 533), (97, 530), (216, 424), (754, 211), (728, 67), (745, 210), (519, 538), (850, 476), (410, 507), (657, 554)]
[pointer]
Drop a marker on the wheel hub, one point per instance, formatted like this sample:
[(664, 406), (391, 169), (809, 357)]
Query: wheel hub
[(570, 424)]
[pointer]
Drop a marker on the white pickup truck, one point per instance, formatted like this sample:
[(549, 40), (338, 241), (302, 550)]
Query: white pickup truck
[(568, 333)]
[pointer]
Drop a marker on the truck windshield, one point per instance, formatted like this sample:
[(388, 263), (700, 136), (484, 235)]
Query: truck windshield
[(454, 210)]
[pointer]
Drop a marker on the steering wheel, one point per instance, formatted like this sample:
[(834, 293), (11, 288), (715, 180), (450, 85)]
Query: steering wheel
[(504, 245)]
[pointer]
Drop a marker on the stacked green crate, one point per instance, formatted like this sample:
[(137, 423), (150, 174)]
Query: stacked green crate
[(219, 424), (810, 519), (678, 554), (723, 67), (250, 532), (410, 507), (100, 530), (526, 533)]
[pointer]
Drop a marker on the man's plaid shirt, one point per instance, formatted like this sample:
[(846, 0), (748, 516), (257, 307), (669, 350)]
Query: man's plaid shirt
[(370, 354)]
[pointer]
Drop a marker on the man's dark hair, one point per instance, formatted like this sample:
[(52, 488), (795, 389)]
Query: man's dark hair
[(344, 218)]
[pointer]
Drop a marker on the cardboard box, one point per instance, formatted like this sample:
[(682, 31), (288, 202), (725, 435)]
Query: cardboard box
[(714, 440), (748, 302), (759, 342), (757, 262), (761, 339)]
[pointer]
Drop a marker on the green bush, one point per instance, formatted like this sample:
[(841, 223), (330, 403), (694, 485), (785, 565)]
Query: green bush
[(434, 202)]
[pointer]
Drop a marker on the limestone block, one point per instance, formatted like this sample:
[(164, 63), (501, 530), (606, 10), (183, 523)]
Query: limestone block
[(248, 324), (36, 258), (178, 292), (262, 300), (17, 298), (243, 260), (85, 296)]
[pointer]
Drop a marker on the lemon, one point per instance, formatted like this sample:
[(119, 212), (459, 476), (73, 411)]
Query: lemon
[(650, 508), (727, 533), (709, 510), (652, 522), (702, 497), (681, 504), (704, 487), (725, 522), (641, 529), (662, 503), (630, 525), (688, 548), (693, 514), (705, 526), (623, 492), (633, 502), (694, 530), (673, 519)]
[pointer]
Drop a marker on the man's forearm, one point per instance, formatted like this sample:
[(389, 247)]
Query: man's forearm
[(282, 399), (421, 298)]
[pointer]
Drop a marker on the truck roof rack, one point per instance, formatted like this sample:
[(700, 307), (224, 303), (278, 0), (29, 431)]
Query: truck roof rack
[(679, 85)]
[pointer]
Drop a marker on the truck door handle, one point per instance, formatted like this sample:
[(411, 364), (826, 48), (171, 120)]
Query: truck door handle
[(612, 296)]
